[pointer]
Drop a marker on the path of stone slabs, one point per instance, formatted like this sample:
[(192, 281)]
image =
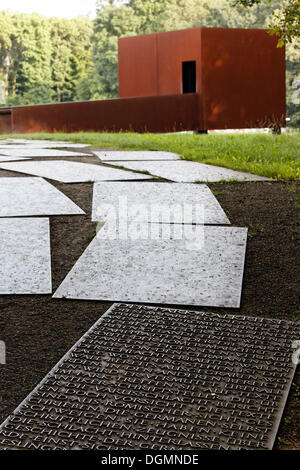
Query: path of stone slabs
[(156, 261), (180, 264), (25, 262)]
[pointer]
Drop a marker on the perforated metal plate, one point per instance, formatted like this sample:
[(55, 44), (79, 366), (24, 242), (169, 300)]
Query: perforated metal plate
[(155, 378)]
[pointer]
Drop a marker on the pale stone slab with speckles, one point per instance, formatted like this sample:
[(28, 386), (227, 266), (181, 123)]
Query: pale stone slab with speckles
[(72, 172), (30, 196), (190, 172), (40, 153), (158, 202), (129, 155), (6, 158), (25, 263), (162, 271)]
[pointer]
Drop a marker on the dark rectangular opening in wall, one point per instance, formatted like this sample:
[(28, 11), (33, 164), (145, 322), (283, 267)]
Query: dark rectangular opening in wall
[(189, 77)]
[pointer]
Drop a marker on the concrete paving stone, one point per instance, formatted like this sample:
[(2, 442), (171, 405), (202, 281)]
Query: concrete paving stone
[(17, 143), (133, 263), (39, 153), (147, 378), (25, 262), (157, 202), (6, 158), (72, 172), (33, 196), (129, 155), (190, 172)]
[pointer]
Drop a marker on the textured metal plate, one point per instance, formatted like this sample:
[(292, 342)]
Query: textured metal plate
[(33, 196), (190, 172), (25, 263), (155, 378), (196, 265), (157, 202), (72, 172)]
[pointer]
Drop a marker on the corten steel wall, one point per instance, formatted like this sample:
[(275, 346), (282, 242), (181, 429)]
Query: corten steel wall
[(151, 64), (240, 73), (5, 121), (154, 114), (243, 79)]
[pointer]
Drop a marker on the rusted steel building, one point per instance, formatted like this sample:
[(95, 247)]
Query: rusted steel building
[(194, 79)]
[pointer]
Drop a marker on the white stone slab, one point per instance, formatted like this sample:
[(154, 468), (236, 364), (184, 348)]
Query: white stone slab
[(157, 202), (163, 271), (39, 144), (26, 147), (11, 159), (129, 155), (33, 196), (39, 153), (72, 172), (25, 263), (190, 172)]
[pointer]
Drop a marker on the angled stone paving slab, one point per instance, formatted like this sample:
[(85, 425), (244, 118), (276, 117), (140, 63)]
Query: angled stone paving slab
[(39, 153), (190, 172), (72, 172), (204, 267), (25, 263), (147, 378), (158, 202), (7, 158), (35, 147), (130, 155), (33, 196)]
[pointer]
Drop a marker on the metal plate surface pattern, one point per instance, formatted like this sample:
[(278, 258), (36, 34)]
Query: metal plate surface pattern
[(156, 378)]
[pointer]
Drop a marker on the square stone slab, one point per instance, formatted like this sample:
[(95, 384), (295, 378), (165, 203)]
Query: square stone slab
[(25, 263), (33, 196), (184, 171), (39, 153), (158, 202), (72, 172), (186, 271), (130, 155), (147, 378)]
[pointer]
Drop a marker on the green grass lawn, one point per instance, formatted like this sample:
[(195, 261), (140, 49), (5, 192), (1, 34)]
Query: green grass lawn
[(275, 156)]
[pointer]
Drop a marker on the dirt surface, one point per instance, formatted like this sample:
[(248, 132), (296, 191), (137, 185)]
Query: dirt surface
[(39, 330)]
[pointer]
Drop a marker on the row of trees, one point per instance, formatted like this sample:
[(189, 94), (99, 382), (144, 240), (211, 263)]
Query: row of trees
[(42, 59), (53, 59)]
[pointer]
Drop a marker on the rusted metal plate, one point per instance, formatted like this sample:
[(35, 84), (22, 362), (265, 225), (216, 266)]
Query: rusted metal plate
[(5, 121), (156, 378), (144, 81), (147, 114), (240, 73), (243, 78)]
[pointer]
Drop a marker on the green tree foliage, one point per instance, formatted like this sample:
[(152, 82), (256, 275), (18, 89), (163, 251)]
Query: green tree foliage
[(47, 56), (285, 21)]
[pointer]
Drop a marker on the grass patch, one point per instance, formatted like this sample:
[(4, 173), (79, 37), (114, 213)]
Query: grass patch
[(274, 156)]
